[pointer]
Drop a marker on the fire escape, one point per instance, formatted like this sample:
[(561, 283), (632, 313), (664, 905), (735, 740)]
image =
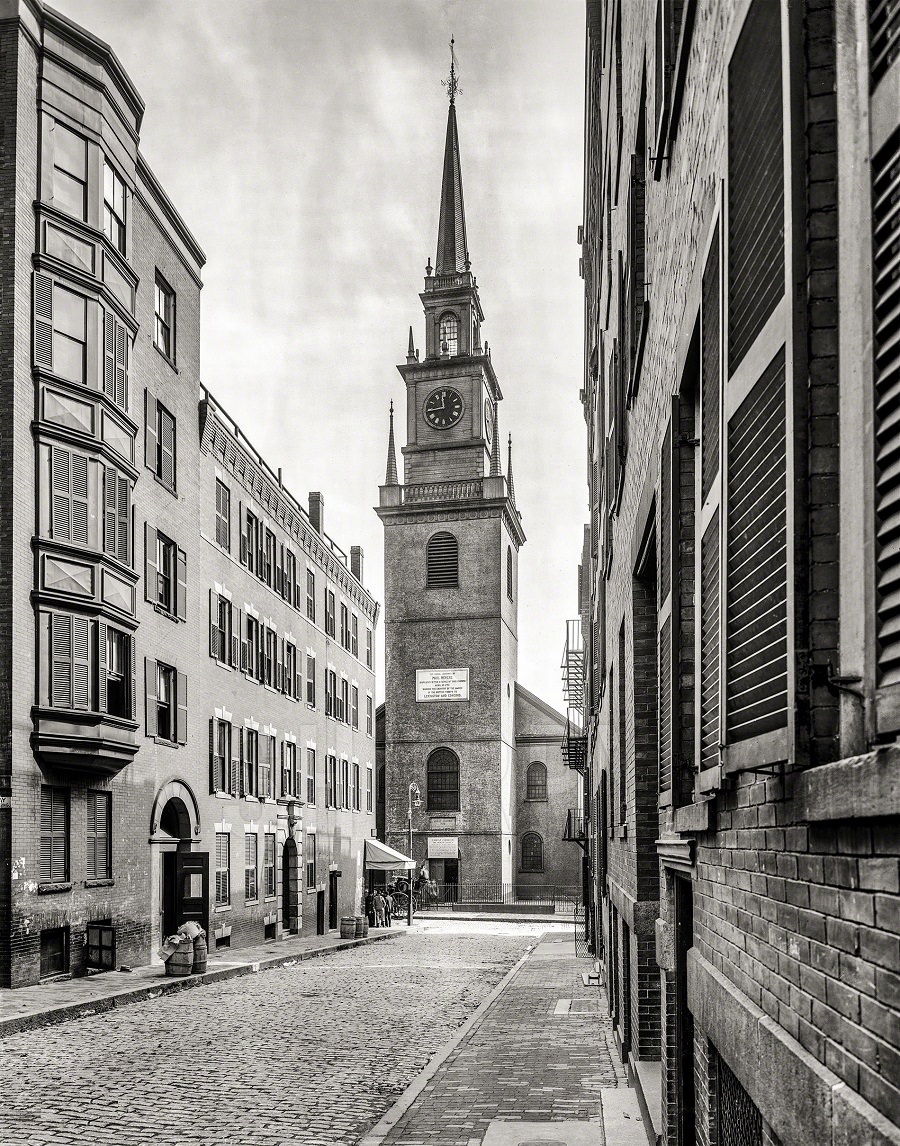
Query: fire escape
[(574, 745)]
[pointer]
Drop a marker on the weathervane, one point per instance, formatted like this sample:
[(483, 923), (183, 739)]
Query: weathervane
[(452, 84)]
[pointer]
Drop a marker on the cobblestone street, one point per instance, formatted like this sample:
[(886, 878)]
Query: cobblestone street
[(314, 1053)]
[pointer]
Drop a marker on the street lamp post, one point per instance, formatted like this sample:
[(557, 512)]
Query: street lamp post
[(415, 797)]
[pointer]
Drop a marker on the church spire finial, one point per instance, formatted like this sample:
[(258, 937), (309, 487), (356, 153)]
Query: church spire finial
[(452, 249), (509, 474), (452, 83), (411, 354), (391, 477)]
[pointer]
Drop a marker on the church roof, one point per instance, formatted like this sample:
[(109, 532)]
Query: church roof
[(452, 250), (549, 722)]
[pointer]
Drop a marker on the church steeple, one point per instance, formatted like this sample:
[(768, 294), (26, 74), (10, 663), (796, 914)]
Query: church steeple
[(452, 249), (391, 477)]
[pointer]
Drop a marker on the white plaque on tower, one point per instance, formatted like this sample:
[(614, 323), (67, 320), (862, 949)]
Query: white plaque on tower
[(442, 684)]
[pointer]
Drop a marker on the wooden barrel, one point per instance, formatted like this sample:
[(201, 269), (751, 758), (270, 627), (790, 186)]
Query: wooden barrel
[(182, 959), (348, 927), (199, 965), (360, 921)]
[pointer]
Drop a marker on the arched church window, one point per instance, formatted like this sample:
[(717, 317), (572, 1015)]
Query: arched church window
[(442, 562), (449, 334), (509, 572), (536, 781), (443, 781), (532, 852)]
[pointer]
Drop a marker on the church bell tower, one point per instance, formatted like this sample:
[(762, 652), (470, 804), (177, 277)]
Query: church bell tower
[(452, 536)]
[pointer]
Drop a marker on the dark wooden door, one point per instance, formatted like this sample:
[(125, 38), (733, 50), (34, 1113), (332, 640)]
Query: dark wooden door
[(320, 913), (684, 1020), (185, 890), (332, 900)]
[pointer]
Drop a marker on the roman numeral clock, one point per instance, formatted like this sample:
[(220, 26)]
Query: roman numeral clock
[(443, 407)]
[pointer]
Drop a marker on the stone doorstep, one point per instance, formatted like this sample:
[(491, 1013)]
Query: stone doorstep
[(547, 1134), (157, 983)]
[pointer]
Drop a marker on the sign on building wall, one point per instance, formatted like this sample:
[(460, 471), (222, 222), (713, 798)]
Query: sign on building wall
[(442, 684), (443, 847)]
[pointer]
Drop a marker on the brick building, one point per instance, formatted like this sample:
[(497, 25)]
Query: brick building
[(739, 605), (484, 752), (187, 657)]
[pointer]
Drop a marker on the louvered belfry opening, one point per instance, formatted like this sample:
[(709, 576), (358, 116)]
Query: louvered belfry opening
[(755, 179), (886, 327), (442, 562), (757, 561)]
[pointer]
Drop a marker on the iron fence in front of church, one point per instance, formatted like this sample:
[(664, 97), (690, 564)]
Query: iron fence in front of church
[(481, 895)]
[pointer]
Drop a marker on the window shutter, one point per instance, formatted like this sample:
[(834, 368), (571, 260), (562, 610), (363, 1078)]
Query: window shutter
[(46, 856), (709, 645), (886, 238), (81, 662), (151, 571), (91, 856), (110, 510), (755, 179), (109, 355), (665, 516), (756, 635), (150, 695), (80, 499), (710, 369), (261, 655), (242, 533), (61, 660), (43, 321), (245, 655), (665, 706), (101, 667), (122, 345), (279, 570), (241, 789), (236, 621), (181, 588), (149, 431), (234, 776), (213, 624), (61, 487), (124, 514), (285, 786), (213, 778), (132, 665), (279, 664), (167, 450), (182, 715)]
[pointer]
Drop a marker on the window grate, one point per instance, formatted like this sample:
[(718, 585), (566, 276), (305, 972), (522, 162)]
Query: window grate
[(740, 1122)]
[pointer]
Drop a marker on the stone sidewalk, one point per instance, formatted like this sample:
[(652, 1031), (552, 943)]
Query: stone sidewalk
[(535, 1063), (28, 1007)]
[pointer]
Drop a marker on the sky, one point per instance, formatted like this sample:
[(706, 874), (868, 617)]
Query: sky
[(302, 143)]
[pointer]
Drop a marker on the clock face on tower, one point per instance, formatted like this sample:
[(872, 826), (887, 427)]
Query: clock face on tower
[(443, 408)]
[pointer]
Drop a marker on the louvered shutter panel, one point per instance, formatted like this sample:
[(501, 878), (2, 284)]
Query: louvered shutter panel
[(60, 868), (757, 561), (234, 775), (91, 816), (710, 369), (61, 494), (886, 239), (167, 450), (43, 321), (79, 499), (709, 645), (150, 696), (102, 666), (109, 355), (151, 571), (665, 516), (61, 660), (124, 515), (45, 867), (236, 621), (279, 664), (81, 662), (213, 770), (110, 510), (181, 586), (242, 534), (132, 661), (122, 346), (242, 786), (181, 720), (755, 179), (669, 617), (150, 441), (214, 624), (279, 570)]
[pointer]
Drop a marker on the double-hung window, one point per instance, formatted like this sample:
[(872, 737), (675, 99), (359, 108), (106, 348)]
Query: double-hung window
[(221, 760), (370, 803), (69, 171), (345, 784), (251, 761), (369, 720), (290, 781), (310, 680), (266, 771), (310, 595), (310, 851), (288, 577), (269, 558), (220, 631), (251, 871), (165, 702), (114, 207), (164, 328), (118, 672), (345, 626), (250, 649), (355, 787), (310, 775), (69, 334), (354, 635), (329, 781), (290, 670), (167, 707), (354, 706), (344, 713), (271, 656), (369, 648), (223, 869), (165, 573), (269, 865), (329, 613)]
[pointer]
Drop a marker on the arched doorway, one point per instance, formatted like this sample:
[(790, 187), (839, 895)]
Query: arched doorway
[(180, 874), (290, 887)]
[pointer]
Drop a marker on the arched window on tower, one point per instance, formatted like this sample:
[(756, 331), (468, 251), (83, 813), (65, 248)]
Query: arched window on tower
[(442, 562), (449, 334), (532, 852), (443, 781), (536, 781), (509, 572)]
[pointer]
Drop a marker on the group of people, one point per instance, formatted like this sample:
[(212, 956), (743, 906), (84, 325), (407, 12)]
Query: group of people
[(379, 907)]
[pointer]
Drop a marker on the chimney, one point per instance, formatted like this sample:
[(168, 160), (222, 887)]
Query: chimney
[(317, 512), (356, 562)]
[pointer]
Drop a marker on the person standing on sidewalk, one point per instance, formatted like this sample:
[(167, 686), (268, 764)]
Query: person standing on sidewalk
[(388, 907), (379, 909), (370, 908)]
